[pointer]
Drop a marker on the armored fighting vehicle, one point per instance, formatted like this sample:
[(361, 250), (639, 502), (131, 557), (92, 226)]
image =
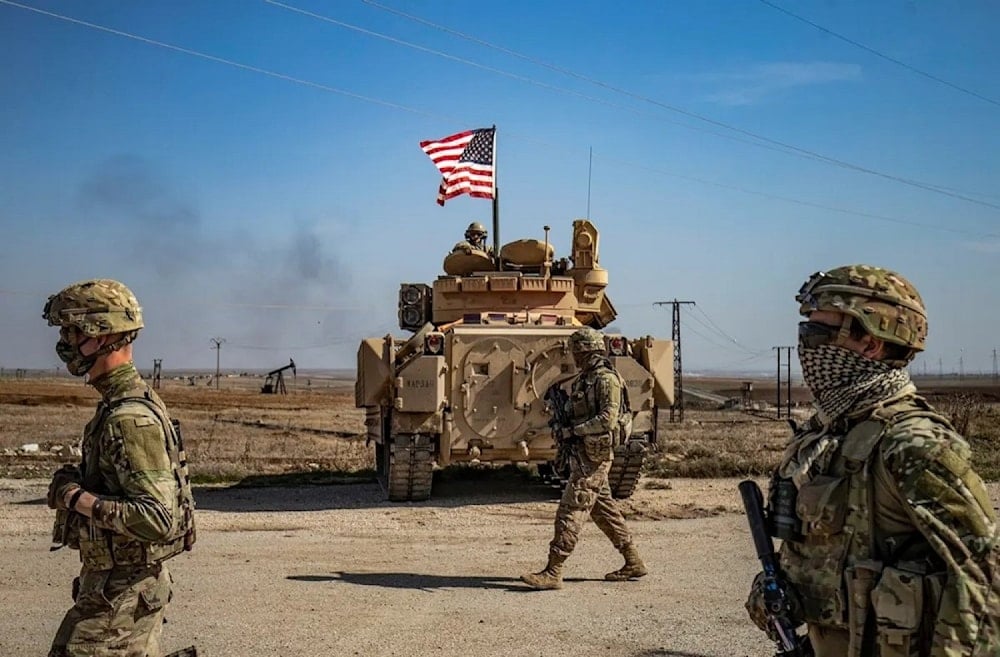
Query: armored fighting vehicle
[(490, 336)]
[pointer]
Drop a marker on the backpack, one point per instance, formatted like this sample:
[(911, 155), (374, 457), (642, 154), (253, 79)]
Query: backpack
[(624, 433)]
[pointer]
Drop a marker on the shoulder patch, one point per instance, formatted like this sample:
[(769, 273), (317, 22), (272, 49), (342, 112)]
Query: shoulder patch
[(143, 439)]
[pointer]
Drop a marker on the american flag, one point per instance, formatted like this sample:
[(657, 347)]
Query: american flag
[(466, 163)]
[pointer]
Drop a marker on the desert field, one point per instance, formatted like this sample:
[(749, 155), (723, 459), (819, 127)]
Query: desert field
[(299, 554)]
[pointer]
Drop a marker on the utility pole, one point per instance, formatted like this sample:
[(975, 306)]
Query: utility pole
[(961, 363), (156, 372), (996, 373), (217, 345), (940, 368), (677, 410), (788, 382)]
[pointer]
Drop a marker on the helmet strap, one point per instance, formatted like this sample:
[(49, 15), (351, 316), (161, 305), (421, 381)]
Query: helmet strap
[(845, 331)]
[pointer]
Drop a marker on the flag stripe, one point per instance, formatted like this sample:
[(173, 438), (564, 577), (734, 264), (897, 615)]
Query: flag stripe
[(465, 161)]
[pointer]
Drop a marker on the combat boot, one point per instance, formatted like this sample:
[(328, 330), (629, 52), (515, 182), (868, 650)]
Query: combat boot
[(633, 568), (549, 577)]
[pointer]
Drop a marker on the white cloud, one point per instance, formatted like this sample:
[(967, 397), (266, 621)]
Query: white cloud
[(759, 81)]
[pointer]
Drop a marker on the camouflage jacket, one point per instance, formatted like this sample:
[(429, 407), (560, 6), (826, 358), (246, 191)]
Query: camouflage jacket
[(594, 405), (465, 246), (899, 535), (126, 462)]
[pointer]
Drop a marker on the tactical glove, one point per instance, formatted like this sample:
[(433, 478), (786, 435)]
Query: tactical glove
[(757, 608), (65, 479)]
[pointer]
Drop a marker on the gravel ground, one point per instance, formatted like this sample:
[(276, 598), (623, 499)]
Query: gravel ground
[(334, 570)]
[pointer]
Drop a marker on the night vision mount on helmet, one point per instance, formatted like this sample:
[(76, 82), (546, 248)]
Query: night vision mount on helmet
[(490, 337)]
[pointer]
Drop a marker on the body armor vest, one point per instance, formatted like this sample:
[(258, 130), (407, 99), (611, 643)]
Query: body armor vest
[(839, 560), (102, 549)]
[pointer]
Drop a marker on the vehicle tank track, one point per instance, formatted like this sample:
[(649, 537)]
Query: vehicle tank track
[(410, 471), (626, 468)]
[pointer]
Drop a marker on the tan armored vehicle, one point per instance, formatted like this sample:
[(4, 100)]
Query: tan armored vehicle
[(489, 339)]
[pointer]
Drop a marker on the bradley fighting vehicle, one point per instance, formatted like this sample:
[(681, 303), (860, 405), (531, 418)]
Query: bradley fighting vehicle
[(490, 336)]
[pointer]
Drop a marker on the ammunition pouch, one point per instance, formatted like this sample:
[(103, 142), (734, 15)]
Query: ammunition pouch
[(108, 550), (905, 605), (815, 564), (597, 447), (66, 530)]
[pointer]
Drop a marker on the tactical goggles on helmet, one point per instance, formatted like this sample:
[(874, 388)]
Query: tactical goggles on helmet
[(817, 334)]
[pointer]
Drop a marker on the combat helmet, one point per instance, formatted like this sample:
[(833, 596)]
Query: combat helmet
[(95, 307), (585, 340), (475, 228), (885, 304)]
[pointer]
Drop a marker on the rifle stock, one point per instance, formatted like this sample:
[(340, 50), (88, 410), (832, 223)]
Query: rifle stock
[(776, 598)]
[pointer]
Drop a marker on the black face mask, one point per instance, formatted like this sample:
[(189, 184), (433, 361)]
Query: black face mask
[(76, 363)]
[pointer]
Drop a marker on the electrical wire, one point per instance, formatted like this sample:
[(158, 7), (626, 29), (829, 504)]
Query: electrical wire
[(857, 44), (808, 204), (685, 327), (724, 334), (729, 341), (690, 114), (378, 101), (219, 60)]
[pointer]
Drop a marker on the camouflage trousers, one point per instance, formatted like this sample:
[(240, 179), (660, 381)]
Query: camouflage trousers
[(588, 493), (116, 613)]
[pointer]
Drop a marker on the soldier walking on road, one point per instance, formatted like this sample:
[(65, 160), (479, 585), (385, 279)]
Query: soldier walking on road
[(594, 409), (127, 507), (889, 537)]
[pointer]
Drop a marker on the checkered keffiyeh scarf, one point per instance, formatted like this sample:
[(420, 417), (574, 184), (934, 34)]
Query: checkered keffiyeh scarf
[(842, 383)]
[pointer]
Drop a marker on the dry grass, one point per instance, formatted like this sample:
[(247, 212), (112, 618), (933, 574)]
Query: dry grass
[(978, 419), (718, 444), (229, 434), (734, 444), (315, 435)]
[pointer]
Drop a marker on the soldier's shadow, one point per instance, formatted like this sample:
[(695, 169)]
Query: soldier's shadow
[(418, 581), (663, 652)]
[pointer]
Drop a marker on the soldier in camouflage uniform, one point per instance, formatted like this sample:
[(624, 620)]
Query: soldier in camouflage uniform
[(891, 545), (127, 507), (595, 402), (475, 240)]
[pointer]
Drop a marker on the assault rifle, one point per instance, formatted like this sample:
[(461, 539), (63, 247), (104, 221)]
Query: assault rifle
[(556, 400), (776, 598)]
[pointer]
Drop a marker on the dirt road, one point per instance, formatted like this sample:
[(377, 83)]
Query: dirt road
[(334, 570)]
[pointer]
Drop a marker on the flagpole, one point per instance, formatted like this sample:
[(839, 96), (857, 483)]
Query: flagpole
[(590, 170), (496, 203)]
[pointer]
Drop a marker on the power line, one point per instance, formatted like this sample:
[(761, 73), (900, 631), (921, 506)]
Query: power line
[(672, 108), (219, 60), (677, 409), (725, 343), (881, 55), (385, 103), (525, 79), (808, 204), (726, 335), (217, 345), (712, 341)]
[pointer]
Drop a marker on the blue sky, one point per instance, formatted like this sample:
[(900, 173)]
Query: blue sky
[(282, 214)]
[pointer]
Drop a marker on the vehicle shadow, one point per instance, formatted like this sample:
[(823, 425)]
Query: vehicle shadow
[(452, 488), (422, 581)]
